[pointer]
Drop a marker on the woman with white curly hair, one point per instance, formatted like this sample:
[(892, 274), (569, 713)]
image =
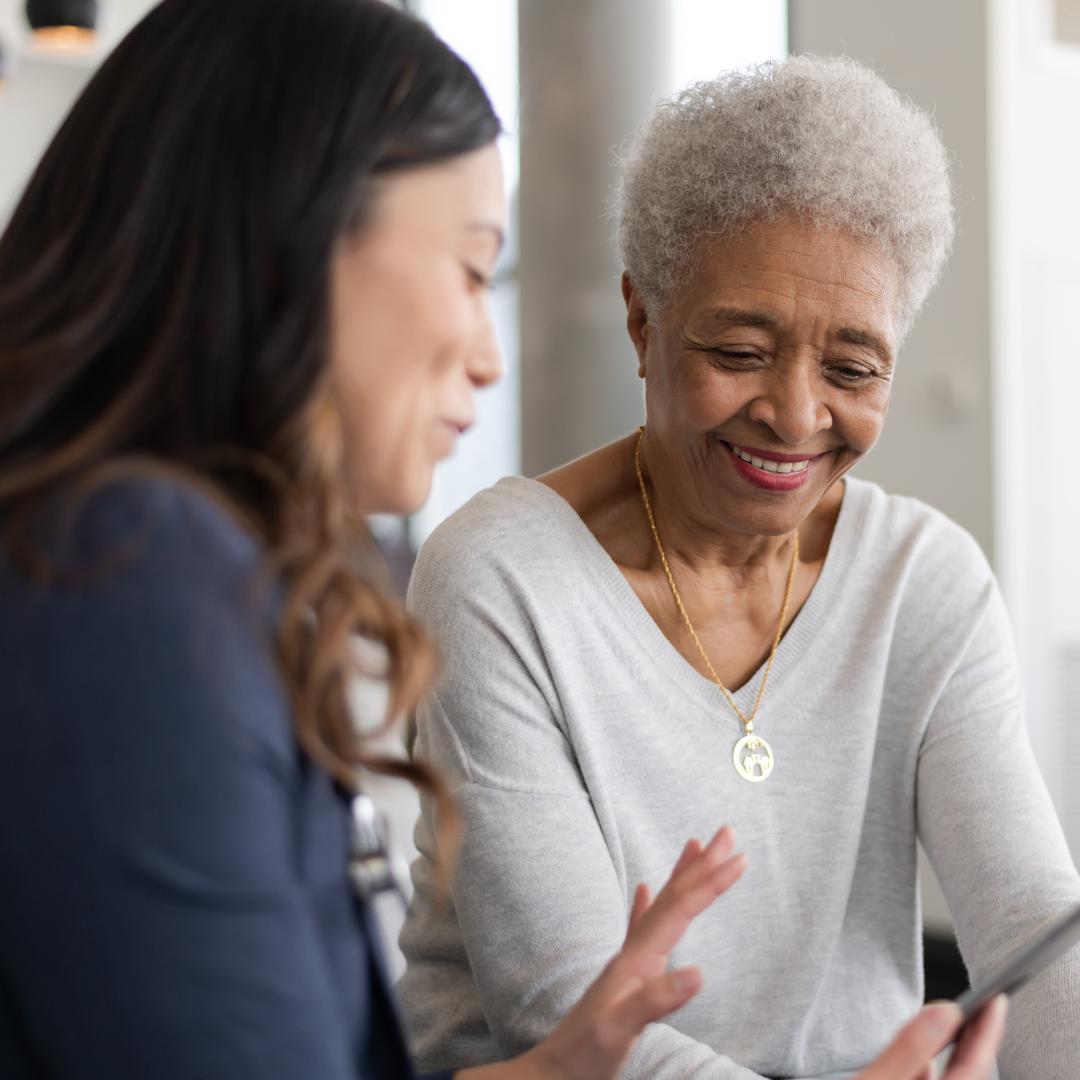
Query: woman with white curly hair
[(708, 621)]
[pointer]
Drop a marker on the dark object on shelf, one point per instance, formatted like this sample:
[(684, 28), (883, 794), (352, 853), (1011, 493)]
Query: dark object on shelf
[(943, 967), (52, 14)]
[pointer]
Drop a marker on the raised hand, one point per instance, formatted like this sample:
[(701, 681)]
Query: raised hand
[(635, 989)]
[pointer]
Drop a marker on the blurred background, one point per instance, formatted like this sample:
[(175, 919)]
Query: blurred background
[(987, 392)]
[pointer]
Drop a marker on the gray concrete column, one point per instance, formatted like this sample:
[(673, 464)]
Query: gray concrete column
[(938, 441), (590, 71)]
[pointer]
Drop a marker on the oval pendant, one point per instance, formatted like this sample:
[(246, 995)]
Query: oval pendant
[(753, 758)]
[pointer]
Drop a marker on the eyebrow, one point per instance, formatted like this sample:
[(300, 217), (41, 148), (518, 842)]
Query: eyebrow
[(741, 317), (746, 317), (868, 340)]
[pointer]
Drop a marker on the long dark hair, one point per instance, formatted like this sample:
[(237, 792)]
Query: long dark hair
[(164, 293)]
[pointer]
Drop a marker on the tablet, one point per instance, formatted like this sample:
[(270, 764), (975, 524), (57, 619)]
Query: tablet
[(1024, 966)]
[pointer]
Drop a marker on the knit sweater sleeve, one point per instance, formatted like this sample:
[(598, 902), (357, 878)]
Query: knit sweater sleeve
[(993, 838), (539, 901)]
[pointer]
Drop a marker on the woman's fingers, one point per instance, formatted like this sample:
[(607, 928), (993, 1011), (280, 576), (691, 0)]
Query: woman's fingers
[(918, 1043), (653, 1001), (595, 1039), (696, 895), (978, 1043), (642, 900), (663, 925), (695, 867), (929, 1033), (685, 897), (634, 990), (656, 927), (643, 894), (689, 853)]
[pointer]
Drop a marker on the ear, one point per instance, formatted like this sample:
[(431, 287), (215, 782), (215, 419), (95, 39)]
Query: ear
[(637, 321)]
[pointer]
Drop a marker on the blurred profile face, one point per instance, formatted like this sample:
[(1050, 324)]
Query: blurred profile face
[(411, 330), (769, 376)]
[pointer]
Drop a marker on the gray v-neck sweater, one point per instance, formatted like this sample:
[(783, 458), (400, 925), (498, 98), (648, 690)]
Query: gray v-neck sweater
[(584, 751)]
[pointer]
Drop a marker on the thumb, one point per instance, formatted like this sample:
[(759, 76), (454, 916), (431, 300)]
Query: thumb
[(918, 1043)]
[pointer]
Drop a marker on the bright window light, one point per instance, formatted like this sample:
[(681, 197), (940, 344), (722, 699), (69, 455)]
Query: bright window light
[(484, 34), (710, 36)]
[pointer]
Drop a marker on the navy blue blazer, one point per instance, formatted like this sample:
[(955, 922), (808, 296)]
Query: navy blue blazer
[(173, 892)]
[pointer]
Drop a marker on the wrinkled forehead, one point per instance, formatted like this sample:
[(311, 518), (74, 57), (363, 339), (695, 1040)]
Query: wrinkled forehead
[(784, 275)]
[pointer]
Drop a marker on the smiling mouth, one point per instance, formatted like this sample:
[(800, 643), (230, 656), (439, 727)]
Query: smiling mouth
[(766, 464)]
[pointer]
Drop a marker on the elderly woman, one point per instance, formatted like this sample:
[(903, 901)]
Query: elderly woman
[(706, 622)]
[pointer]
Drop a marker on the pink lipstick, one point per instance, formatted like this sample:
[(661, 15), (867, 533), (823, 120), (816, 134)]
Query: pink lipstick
[(769, 470)]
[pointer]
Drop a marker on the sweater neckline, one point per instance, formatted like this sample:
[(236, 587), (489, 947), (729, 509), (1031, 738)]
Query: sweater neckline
[(795, 643)]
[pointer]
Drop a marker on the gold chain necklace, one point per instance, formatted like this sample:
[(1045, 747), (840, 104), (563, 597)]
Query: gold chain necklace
[(752, 755)]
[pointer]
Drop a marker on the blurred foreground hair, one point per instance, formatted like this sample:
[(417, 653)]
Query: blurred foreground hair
[(164, 298)]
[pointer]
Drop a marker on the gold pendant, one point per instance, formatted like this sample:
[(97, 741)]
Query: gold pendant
[(756, 765)]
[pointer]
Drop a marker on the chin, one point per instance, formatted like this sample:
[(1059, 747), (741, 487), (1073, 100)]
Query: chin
[(404, 491), (402, 498), (405, 504), (414, 490)]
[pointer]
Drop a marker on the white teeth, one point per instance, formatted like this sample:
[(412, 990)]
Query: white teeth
[(771, 466)]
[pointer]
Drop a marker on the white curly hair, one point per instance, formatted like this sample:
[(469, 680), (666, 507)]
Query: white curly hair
[(824, 139)]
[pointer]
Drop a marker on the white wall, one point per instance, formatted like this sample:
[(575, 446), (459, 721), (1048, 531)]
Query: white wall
[(484, 34), (43, 88), (31, 107), (1035, 163)]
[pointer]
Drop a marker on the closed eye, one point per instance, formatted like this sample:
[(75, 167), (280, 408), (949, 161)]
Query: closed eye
[(734, 357), (854, 374)]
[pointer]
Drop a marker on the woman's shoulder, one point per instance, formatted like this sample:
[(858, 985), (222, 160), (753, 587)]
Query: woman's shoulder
[(901, 535), (508, 533), (142, 524), (143, 562), (156, 604), (165, 516)]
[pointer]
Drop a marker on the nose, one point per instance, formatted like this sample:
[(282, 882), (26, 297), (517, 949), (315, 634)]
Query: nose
[(791, 403), (485, 361)]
